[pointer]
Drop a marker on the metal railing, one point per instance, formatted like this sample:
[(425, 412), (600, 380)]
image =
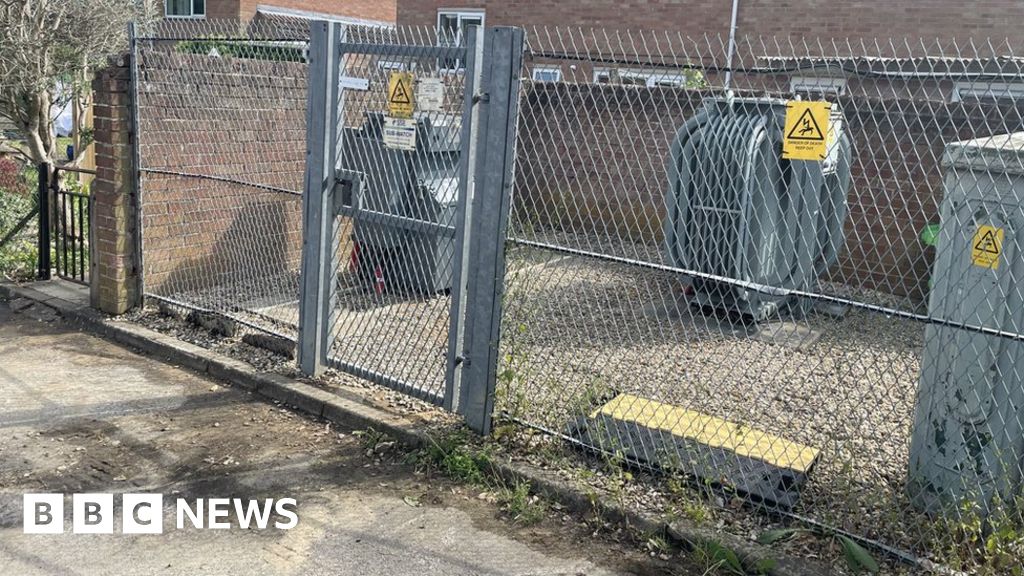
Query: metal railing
[(65, 214), (72, 215)]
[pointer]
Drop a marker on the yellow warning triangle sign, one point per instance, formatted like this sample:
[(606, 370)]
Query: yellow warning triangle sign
[(400, 95), (988, 243), (806, 128)]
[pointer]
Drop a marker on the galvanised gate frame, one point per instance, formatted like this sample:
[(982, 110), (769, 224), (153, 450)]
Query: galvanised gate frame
[(488, 66)]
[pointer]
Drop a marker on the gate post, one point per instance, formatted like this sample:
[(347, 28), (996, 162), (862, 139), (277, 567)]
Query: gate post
[(44, 222), (467, 177), (495, 156), (316, 290)]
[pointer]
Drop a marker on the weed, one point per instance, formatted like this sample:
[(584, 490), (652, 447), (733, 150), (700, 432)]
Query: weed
[(515, 372), (857, 558), (520, 505), (716, 558), (452, 456), (691, 505), (656, 544), (370, 439), (988, 546)]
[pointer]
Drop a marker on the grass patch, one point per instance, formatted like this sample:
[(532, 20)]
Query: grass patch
[(455, 456), (452, 456)]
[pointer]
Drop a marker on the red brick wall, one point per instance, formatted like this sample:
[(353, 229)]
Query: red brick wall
[(222, 9), (113, 272), (812, 18), (382, 10)]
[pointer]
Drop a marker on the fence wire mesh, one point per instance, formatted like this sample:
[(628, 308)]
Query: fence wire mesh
[(833, 339), (221, 121)]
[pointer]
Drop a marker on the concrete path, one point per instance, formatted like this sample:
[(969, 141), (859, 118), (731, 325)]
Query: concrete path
[(78, 414)]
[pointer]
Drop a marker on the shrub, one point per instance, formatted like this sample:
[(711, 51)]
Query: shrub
[(11, 179)]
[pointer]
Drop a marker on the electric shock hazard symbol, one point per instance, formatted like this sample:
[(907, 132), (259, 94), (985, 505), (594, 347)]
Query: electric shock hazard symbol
[(806, 130), (400, 98), (987, 246)]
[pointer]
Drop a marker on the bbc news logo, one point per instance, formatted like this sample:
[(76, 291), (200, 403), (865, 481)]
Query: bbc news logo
[(143, 513)]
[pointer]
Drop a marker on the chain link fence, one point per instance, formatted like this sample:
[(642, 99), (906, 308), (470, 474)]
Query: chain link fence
[(222, 123), (833, 339), (221, 113)]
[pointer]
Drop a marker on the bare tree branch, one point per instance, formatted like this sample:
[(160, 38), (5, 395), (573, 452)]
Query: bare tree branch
[(46, 43)]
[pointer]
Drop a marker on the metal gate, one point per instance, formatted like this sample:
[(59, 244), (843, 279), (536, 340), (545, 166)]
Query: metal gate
[(408, 179), (65, 215), (71, 225)]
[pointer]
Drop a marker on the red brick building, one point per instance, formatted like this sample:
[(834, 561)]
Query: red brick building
[(996, 19), (380, 11)]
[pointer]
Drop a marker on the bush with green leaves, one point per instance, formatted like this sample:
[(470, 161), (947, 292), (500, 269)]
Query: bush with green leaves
[(243, 48), (18, 254)]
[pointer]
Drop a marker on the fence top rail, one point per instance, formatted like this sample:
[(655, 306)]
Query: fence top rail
[(75, 169)]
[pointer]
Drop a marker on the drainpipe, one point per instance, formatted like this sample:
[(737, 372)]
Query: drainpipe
[(732, 45)]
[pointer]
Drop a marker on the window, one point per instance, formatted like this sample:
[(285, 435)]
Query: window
[(646, 78), (547, 74), (667, 80), (185, 8), (386, 65), (632, 78), (452, 28), (603, 75), (996, 90), (818, 85)]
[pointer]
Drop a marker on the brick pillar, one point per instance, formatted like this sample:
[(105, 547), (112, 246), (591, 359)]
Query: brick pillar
[(115, 280)]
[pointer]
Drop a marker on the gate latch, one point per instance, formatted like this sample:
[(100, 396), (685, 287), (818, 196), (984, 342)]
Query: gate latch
[(348, 192)]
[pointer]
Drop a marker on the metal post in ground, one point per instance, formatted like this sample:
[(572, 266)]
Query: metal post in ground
[(464, 217), (318, 222), (499, 103), (44, 222)]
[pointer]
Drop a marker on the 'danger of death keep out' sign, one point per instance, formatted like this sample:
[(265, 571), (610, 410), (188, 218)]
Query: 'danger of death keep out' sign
[(805, 136), (400, 95)]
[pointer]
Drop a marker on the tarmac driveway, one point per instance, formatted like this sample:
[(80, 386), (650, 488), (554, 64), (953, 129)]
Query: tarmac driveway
[(81, 415)]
